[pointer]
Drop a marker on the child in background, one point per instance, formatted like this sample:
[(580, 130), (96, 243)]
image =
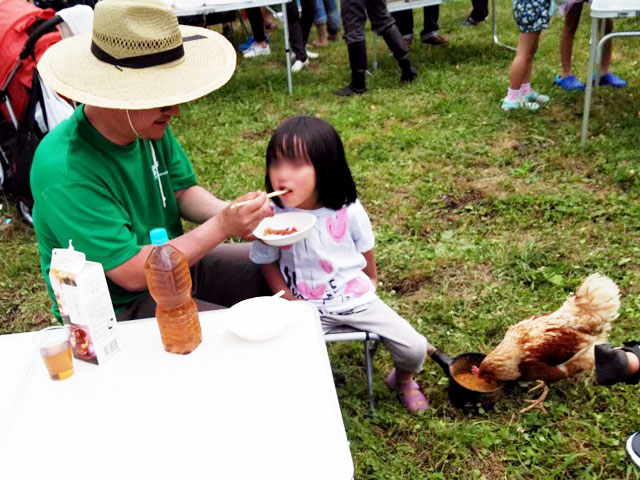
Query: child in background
[(334, 266), (532, 16), (572, 11), (327, 22)]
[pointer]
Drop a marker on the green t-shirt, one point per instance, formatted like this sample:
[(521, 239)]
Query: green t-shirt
[(104, 197)]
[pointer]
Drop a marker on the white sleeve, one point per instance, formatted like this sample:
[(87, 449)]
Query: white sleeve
[(261, 253), (360, 227)]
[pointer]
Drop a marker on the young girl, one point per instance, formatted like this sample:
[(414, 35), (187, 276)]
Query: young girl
[(572, 11), (532, 16), (334, 266)]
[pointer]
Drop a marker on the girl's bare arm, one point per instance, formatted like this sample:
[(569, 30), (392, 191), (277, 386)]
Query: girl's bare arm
[(370, 269), (272, 275)]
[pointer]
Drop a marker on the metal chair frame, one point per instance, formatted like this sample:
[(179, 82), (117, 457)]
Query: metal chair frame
[(371, 342)]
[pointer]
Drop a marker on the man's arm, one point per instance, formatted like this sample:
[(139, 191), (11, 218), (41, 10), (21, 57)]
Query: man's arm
[(198, 242), (198, 204)]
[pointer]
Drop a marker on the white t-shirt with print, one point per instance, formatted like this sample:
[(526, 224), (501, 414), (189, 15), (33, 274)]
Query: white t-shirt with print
[(326, 267)]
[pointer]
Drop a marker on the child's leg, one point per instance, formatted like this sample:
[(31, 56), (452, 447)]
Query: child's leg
[(606, 49), (607, 77), (521, 66), (571, 22), (408, 348)]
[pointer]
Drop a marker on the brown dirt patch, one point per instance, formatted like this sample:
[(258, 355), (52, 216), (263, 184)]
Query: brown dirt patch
[(457, 280), (455, 202), (257, 135)]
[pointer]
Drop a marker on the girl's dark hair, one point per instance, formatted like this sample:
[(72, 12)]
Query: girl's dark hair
[(316, 140)]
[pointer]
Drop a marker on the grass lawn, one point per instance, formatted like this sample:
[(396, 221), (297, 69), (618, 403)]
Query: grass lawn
[(482, 218)]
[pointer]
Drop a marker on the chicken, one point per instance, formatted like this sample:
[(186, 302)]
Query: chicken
[(556, 345)]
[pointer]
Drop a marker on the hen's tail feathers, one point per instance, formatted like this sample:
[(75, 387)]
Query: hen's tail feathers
[(598, 295)]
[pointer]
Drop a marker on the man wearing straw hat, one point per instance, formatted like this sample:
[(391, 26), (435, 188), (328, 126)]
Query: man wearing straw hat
[(113, 171)]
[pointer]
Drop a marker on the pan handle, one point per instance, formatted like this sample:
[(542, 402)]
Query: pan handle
[(443, 360)]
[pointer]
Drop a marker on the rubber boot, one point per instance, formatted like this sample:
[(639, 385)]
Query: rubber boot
[(358, 63), (398, 47)]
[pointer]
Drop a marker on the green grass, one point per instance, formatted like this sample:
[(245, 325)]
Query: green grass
[(482, 218)]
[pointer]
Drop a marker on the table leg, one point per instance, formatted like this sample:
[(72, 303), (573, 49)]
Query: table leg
[(595, 24), (287, 47), (598, 60), (374, 59), (494, 28)]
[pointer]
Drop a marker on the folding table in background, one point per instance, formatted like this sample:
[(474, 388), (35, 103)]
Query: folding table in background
[(185, 8), (600, 11)]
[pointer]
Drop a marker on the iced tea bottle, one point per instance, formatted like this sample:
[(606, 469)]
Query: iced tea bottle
[(169, 282)]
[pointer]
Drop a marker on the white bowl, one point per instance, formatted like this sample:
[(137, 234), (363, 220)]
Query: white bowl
[(260, 318), (302, 221)]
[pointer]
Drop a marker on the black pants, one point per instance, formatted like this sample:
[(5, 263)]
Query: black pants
[(300, 26), (404, 20), (224, 277), (480, 10), (257, 24), (354, 17)]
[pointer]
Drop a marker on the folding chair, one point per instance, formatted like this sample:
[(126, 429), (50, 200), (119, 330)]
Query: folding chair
[(371, 342)]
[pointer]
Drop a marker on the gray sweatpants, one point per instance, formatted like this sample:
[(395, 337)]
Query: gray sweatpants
[(354, 18), (222, 278), (408, 348)]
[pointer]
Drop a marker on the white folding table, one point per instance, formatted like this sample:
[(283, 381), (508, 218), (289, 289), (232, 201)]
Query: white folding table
[(231, 409), (185, 8), (600, 11)]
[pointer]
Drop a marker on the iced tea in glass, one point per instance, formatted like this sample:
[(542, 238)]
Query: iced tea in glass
[(55, 350)]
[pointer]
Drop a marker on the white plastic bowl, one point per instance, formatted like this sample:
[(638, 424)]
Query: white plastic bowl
[(260, 318), (302, 221)]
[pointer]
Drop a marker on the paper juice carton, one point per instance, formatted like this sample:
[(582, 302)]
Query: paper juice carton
[(85, 305)]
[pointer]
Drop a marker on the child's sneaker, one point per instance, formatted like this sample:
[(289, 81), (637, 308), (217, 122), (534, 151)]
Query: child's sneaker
[(518, 104), (612, 80), (256, 50), (569, 82), (536, 97)]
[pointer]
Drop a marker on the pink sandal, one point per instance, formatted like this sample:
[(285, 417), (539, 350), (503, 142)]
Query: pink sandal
[(409, 393)]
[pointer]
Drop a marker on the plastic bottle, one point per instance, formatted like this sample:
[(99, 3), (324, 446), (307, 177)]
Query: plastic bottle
[(169, 282)]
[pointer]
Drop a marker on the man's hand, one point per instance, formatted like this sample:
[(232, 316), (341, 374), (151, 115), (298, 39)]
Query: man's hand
[(242, 221)]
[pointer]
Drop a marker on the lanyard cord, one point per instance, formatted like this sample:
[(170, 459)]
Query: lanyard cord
[(156, 174)]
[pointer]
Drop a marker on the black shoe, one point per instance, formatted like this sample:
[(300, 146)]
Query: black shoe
[(350, 90), (409, 72), (435, 40), (612, 366), (633, 449), (470, 22)]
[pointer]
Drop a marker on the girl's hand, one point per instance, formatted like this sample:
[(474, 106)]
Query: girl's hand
[(242, 221)]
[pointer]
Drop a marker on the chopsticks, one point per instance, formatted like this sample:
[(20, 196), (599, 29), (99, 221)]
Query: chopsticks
[(269, 195)]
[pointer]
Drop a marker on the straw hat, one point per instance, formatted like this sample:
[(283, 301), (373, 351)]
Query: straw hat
[(138, 57)]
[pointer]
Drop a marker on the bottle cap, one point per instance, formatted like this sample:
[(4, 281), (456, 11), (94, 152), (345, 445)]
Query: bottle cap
[(158, 236)]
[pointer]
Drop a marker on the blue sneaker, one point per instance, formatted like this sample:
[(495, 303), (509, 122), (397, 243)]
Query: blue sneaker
[(568, 83), (246, 44), (612, 80)]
